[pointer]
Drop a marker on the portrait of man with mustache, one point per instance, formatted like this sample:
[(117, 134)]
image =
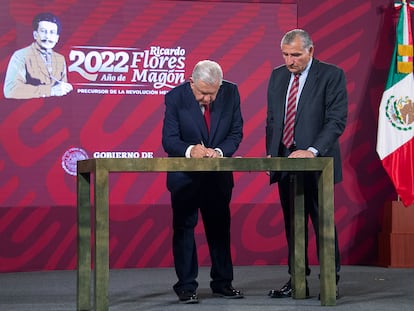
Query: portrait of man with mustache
[(37, 70)]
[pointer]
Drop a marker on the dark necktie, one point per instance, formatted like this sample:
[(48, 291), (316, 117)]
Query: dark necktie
[(207, 116), (287, 139)]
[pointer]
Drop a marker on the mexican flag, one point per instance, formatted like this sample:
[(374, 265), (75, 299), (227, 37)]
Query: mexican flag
[(395, 141)]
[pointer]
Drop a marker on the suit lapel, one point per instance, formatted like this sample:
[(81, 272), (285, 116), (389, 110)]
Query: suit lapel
[(283, 88), (310, 85), (197, 115), (199, 120), (216, 110), (40, 60)]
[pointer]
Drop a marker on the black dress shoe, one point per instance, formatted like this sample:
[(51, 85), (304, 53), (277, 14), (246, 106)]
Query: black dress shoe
[(285, 291), (227, 292), (187, 296)]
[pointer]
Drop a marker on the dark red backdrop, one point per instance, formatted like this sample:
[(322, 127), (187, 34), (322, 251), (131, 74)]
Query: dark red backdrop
[(37, 196)]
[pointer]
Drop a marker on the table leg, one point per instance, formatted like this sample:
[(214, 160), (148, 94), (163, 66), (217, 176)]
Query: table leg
[(298, 257), (327, 238), (101, 239), (83, 287)]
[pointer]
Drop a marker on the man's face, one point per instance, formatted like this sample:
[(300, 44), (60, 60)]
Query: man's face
[(203, 92), (46, 35), (296, 56)]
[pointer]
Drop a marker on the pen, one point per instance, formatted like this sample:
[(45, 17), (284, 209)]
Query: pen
[(202, 144), (55, 79)]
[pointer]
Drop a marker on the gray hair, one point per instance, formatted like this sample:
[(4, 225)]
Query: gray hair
[(304, 36), (208, 71)]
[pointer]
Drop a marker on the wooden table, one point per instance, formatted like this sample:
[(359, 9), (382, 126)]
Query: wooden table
[(101, 168)]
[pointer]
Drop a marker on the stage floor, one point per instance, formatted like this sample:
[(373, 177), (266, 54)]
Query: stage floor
[(361, 288)]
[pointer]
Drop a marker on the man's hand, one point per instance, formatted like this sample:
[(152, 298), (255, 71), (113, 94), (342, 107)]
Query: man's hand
[(61, 88), (268, 156), (301, 154), (211, 153), (199, 151)]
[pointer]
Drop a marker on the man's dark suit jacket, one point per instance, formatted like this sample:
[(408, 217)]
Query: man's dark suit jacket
[(321, 112), (184, 125)]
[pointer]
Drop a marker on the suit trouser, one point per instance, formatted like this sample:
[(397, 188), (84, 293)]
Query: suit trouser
[(215, 211), (311, 211)]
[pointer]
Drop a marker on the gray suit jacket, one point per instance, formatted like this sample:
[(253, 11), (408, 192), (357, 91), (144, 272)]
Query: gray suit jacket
[(321, 112)]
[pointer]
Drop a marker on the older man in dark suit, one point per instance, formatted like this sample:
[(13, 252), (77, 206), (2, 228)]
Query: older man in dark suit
[(186, 133), (306, 115)]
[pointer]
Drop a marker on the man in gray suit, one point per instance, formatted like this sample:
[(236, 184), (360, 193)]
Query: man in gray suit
[(321, 106), (185, 133)]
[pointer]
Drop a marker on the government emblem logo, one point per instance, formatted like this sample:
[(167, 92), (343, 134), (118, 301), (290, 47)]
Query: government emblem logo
[(400, 112), (70, 159)]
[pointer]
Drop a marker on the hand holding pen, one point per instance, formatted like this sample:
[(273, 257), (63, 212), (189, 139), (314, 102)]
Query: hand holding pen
[(60, 87), (200, 151), (209, 152)]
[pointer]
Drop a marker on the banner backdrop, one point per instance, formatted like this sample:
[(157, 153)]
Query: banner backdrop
[(121, 57)]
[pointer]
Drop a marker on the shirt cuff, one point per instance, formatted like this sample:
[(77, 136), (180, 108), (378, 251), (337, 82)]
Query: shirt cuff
[(188, 151), (314, 151)]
